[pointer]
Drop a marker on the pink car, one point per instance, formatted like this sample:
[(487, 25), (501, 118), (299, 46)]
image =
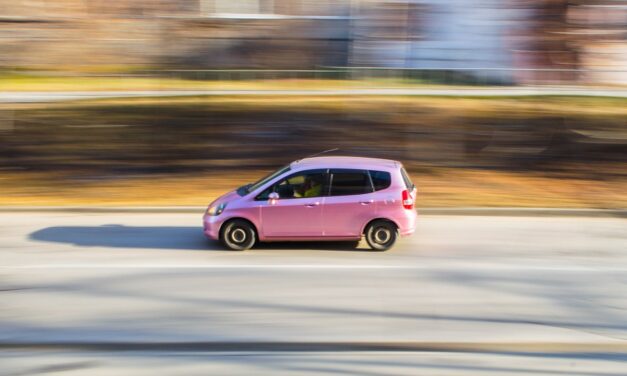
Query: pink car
[(321, 198)]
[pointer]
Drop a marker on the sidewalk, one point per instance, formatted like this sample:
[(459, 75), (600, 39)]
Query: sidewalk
[(51, 96), (461, 211)]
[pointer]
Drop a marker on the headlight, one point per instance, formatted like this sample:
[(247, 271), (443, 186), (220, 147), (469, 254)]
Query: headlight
[(217, 209)]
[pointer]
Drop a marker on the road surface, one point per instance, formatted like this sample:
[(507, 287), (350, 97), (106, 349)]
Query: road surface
[(52, 96), (133, 293)]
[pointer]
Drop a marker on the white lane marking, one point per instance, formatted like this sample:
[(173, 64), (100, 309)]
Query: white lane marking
[(572, 268)]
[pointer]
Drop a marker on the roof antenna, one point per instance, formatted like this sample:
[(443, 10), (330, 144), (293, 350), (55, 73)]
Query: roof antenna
[(322, 152)]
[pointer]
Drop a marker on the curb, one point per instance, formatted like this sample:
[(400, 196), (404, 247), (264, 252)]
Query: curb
[(526, 212), (575, 350), (472, 211)]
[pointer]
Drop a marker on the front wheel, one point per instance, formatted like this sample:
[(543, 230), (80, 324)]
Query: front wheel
[(238, 235), (381, 235)]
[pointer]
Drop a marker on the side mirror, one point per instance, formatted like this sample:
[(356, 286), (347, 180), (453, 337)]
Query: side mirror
[(272, 197)]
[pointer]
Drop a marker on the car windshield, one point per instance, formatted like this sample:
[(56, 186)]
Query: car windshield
[(253, 187)]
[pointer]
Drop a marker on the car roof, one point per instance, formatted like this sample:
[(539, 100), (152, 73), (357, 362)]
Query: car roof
[(345, 162)]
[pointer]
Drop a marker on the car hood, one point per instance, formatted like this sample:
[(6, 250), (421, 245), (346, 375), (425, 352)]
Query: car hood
[(230, 196)]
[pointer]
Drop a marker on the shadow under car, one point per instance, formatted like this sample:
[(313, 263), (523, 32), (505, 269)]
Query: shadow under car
[(163, 237)]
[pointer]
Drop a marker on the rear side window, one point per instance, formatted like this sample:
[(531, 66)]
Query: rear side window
[(380, 179), (406, 179), (349, 182)]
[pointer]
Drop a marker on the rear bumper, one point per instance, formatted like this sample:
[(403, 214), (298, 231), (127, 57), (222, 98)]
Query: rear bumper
[(407, 225), (407, 232)]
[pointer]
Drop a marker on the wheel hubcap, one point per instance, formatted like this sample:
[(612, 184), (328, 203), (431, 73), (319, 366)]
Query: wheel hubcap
[(382, 235), (238, 235)]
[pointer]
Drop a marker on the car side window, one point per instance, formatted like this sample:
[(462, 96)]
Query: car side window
[(350, 182), (380, 179), (305, 184)]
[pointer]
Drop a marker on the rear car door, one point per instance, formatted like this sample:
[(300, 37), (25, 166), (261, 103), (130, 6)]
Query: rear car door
[(350, 203)]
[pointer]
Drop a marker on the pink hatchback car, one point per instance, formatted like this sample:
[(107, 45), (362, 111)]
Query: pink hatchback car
[(321, 198)]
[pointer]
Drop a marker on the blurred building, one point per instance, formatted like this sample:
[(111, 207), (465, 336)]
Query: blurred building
[(174, 34), (269, 34), (433, 34), (512, 41), (600, 28)]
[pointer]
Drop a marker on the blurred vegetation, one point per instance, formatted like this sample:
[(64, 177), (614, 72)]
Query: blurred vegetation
[(532, 151), (17, 80), (32, 82)]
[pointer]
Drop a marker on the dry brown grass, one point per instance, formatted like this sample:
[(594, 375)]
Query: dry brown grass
[(471, 106), (70, 83), (438, 188)]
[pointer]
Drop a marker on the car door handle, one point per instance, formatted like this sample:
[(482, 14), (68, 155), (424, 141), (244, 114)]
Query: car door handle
[(312, 205), (367, 202)]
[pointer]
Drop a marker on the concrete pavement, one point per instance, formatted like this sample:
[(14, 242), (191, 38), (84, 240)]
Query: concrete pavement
[(259, 363), (52, 96), (537, 295)]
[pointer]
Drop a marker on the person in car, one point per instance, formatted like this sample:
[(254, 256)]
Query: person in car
[(312, 187)]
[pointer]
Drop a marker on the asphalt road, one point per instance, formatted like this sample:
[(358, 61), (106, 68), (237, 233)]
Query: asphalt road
[(52, 96), (129, 293)]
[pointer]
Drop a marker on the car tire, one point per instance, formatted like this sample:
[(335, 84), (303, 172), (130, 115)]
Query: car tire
[(381, 235), (238, 235)]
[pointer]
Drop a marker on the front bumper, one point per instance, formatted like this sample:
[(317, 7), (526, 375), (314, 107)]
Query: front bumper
[(211, 226)]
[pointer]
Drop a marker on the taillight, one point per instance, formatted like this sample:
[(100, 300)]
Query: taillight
[(408, 201)]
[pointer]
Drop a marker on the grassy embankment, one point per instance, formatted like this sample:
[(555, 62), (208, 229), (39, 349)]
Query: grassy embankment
[(442, 179)]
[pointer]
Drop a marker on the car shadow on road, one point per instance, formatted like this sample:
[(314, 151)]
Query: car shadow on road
[(161, 237)]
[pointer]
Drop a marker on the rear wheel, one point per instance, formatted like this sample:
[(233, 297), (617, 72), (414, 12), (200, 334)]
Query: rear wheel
[(238, 235), (381, 235)]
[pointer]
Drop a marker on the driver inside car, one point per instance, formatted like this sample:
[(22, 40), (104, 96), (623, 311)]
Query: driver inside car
[(310, 188)]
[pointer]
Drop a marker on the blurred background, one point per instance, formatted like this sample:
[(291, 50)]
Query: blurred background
[(106, 105), (174, 102)]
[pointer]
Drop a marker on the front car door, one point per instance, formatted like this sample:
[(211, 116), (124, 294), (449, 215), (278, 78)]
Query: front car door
[(350, 203), (297, 213)]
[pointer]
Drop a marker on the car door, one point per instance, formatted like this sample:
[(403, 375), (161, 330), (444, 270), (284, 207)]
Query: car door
[(350, 203), (297, 213)]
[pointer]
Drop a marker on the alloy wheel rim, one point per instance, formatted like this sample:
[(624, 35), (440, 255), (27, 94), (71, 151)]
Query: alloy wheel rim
[(382, 235), (238, 235)]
